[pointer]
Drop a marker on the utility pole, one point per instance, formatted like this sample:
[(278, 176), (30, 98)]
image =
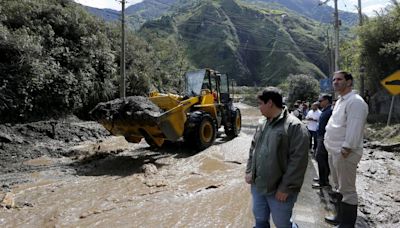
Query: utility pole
[(122, 93), (329, 47), (360, 17), (336, 25), (362, 68), (331, 56)]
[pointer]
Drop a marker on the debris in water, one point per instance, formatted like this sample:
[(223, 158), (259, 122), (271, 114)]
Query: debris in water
[(8, 201)]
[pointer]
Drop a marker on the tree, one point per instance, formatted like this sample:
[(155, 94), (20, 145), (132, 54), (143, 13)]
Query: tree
[(302, 87), (380, 46), (57, 59)]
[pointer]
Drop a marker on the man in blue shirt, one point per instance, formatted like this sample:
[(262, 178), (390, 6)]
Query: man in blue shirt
[(322, 155)]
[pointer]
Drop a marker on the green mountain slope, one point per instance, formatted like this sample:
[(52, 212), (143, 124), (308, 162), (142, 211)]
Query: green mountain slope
[(312, 9), (255, 45), (139, 13)]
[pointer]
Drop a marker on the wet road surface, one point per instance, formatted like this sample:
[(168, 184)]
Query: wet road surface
[(143, 188)]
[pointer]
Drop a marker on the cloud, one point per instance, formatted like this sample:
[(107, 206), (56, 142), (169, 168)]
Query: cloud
[(370, 10), (368, 6), (110, 4)]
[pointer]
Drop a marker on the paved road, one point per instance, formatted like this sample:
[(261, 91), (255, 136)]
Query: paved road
[(311, 206)]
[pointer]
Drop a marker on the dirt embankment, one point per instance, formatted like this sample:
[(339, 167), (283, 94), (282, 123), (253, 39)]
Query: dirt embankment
[(54, 138), (380, 136)]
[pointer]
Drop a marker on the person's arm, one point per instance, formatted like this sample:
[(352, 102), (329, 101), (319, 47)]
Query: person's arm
[(308, 116), (357, 112), (248, 175), (249, 160), (297, 159)]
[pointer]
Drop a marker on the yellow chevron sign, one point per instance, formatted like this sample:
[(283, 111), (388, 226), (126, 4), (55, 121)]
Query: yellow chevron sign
[(392, 83)]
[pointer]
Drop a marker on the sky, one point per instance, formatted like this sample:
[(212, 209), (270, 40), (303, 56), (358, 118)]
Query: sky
[(110, 4), (368, 6)]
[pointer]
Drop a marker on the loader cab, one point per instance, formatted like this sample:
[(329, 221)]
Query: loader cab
[(207, 81), (194, 82), (213, 90), (226, 89)]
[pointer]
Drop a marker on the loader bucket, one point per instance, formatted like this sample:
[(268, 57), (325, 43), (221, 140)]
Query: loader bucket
[(172, 122), (168, 125)]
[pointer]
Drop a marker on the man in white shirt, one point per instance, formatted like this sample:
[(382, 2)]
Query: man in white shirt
[(344, 143), (312, 125)]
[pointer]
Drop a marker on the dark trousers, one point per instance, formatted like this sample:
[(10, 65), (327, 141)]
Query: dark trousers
[(323, 164), (313, 137)]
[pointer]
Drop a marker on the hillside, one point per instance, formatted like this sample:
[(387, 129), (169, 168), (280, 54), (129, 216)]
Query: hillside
[(106, 14), (147, 10), (311, 9), (152, 9), (249, 43)]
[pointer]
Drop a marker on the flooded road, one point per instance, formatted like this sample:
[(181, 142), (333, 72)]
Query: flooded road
[(137, 187), (109, 182)]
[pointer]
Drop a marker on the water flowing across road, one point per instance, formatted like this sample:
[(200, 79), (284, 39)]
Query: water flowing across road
[(139, 187)]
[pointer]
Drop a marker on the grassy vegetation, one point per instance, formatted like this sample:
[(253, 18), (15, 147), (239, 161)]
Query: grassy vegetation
[(248, 94), (381, 132)]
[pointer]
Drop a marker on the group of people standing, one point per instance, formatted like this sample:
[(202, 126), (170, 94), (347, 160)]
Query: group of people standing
[(278, 156)]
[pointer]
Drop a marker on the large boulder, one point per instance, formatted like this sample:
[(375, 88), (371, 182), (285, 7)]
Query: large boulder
[(129, 108)]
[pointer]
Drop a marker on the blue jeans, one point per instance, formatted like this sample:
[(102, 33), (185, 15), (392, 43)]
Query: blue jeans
[(264, 205)]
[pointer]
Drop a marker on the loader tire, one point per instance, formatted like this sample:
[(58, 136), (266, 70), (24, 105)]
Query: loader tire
[(236, 124), (200, 131)]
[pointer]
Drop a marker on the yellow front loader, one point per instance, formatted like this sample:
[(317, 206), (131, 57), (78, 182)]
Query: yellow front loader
[(196, 115)]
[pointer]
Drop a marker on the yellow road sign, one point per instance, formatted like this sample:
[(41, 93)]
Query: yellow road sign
[(392, 83)]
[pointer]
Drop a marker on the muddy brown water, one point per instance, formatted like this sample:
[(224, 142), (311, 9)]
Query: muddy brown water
[(136, 187), (110, 182)]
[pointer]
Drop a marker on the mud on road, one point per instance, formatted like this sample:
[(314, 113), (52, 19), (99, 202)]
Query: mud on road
[(72, 173), (55, 178)]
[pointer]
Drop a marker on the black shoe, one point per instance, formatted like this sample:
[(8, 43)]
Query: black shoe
[(332, 220), (335, 194), (316, 179), (319, 186)]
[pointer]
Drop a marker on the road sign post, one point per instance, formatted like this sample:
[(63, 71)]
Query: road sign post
[(392, 84), (325, 85), (390, 111)]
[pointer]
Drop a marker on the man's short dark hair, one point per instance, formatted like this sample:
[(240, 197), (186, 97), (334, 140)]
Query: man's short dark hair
[(327, 97), (271, 93), (346, 75)]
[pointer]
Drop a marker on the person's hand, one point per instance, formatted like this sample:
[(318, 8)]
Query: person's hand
[(345, 152), (281, 196), (248, 178)]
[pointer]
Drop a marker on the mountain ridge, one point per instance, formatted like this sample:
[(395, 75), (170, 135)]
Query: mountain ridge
[(249, 39), (151, 9), (247, 43)]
